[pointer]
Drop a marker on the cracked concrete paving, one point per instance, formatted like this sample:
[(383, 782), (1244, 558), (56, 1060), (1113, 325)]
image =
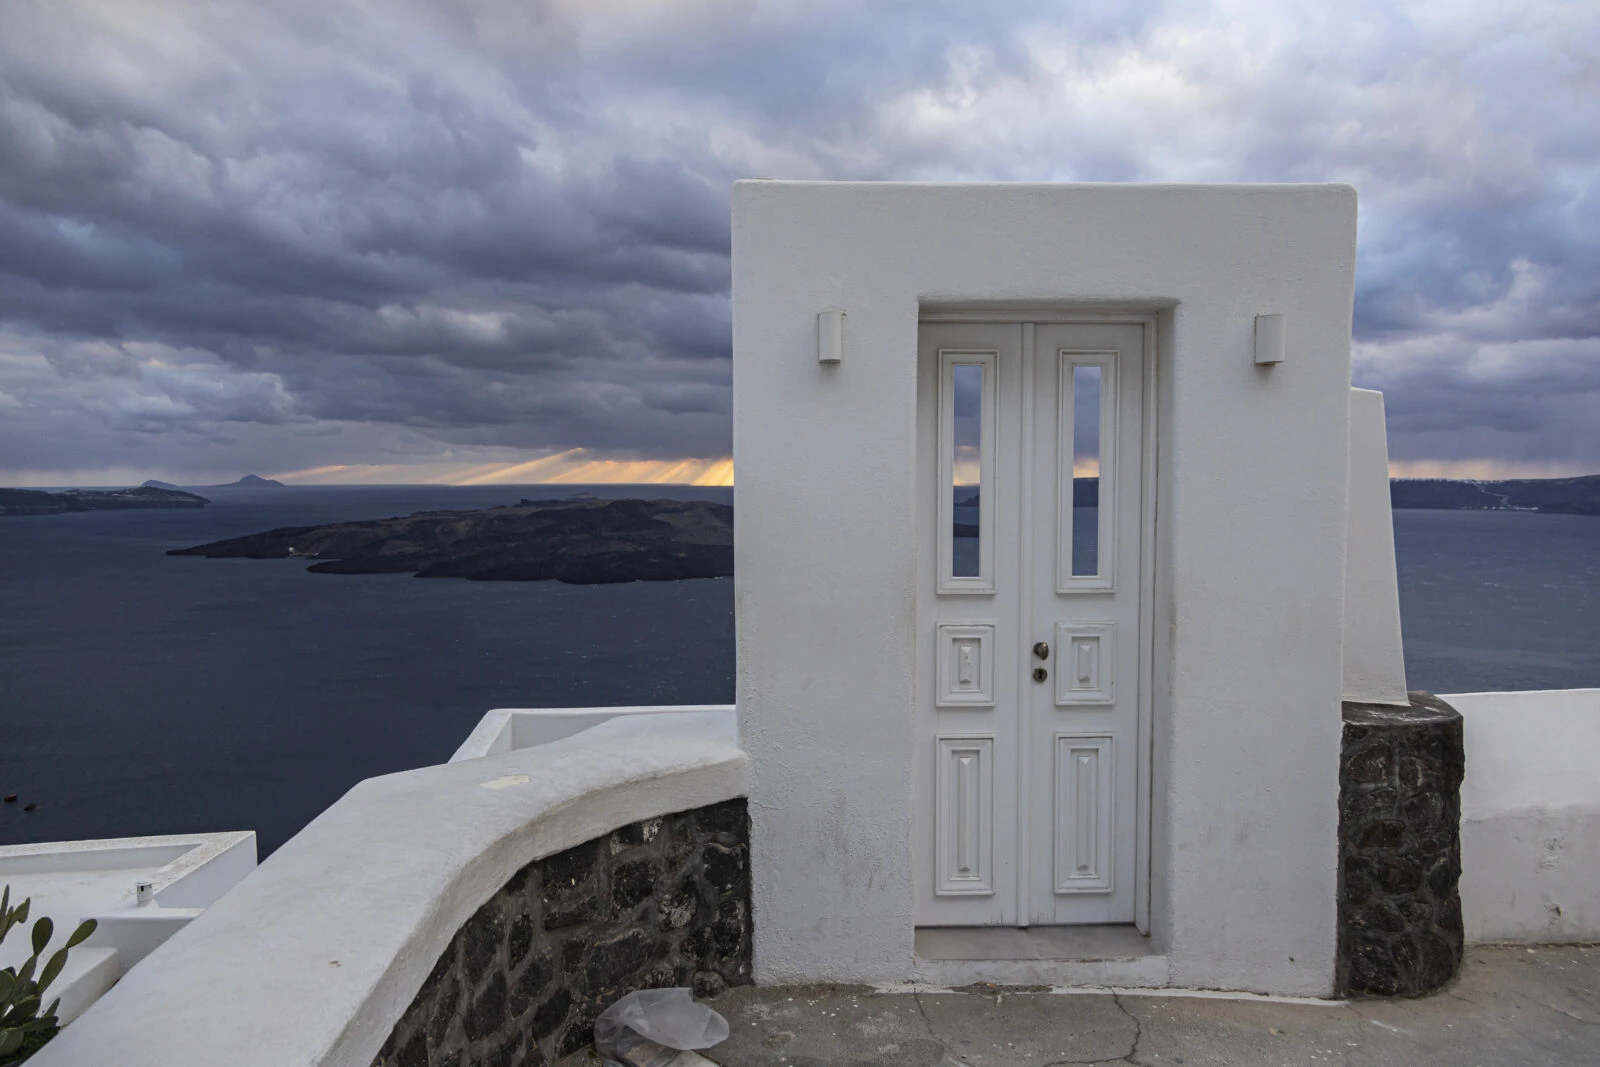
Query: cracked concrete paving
[(1511, 1006)]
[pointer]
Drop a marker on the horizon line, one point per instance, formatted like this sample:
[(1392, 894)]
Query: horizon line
[(575, 467)]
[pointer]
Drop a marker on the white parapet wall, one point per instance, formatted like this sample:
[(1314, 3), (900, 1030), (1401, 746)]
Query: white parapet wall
[(70, 881), (313, 958), (1530, 816), (509, 729), (1374, 658)]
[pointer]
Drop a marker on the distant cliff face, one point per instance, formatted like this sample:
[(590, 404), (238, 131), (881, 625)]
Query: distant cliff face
[(578, 541), (38, 502), (1568, 496)]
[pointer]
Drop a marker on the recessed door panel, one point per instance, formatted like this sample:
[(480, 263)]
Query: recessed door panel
[(964, 846), (1086, 672), (966, 665), (1084, 838)]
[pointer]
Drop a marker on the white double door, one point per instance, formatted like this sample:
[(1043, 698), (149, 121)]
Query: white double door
[(1028, 778)]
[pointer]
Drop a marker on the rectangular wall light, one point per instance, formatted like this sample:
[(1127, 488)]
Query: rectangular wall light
[(830, 336), (1269, 339)]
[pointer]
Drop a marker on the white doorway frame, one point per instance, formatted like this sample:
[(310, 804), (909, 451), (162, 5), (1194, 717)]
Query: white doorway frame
[(1028, 317)]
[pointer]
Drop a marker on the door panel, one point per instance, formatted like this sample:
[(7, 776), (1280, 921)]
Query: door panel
[(964, 847), (1082, 731), (1084, 778), (970, 390), (1028, 622)]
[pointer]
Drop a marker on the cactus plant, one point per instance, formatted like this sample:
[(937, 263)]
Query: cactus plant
[(23, 1027)]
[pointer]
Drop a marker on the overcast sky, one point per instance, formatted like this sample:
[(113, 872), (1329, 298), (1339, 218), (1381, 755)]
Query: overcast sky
[(458, 239)]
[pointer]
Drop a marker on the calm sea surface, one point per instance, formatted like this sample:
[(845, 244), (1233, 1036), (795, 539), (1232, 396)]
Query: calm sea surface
[(1495, 600), (147, 694)]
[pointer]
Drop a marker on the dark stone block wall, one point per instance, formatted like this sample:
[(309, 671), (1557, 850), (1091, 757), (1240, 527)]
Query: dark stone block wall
[(665, 902), (1400, 771)]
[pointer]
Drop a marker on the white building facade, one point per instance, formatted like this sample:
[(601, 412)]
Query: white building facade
[(1041, 572)]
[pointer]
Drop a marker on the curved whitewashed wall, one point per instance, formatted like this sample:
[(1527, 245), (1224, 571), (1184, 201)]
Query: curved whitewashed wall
[(313, 958), (1530, 816)]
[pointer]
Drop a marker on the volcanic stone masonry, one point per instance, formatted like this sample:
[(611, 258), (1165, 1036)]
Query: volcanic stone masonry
[(664, 902), (1400, 773)]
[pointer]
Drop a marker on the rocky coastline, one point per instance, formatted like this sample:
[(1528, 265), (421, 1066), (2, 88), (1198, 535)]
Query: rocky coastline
[(580, 542), (39, 502), (1558, 496)]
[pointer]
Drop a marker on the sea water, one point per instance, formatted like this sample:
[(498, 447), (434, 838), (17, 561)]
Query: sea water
[(1499, 600), (142, 693)]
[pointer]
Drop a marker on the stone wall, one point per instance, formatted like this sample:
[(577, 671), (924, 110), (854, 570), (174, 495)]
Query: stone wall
[(664, 902), (1400, 931)]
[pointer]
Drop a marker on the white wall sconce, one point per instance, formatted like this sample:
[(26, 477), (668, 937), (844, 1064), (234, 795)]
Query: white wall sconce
[(1269, 339), (830, 336)]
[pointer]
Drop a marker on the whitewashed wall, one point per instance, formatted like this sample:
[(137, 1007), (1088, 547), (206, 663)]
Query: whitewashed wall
[(1530, 816), (1251, 544), (313, 958), (508, 729), (1374, 658)]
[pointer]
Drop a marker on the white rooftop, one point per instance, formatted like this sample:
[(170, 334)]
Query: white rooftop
[(70, 881)]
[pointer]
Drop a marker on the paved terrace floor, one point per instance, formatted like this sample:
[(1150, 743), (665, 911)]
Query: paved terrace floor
[(1516, 1007)]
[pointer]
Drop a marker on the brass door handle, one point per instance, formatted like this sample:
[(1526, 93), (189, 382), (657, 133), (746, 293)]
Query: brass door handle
[(1041, 650)]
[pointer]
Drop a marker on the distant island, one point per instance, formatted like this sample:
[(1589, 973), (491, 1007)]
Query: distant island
[(581, 542), (1563, 496), (39, 502), (249, 481)]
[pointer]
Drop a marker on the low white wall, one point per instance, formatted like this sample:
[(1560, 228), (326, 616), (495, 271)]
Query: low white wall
[(507, 729), (313, 958), (1530, 816)]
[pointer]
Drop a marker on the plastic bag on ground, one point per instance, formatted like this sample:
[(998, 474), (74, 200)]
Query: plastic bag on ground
[(657, 1028)]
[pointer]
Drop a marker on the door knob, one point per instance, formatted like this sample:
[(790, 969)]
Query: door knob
[(1041, 650)]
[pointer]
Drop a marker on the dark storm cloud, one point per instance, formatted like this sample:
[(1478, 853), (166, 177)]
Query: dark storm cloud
[(390, 219), (277, 236)]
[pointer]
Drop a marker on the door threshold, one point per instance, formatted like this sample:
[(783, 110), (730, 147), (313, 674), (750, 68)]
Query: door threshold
[(1060, 957), (1087, 942)]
